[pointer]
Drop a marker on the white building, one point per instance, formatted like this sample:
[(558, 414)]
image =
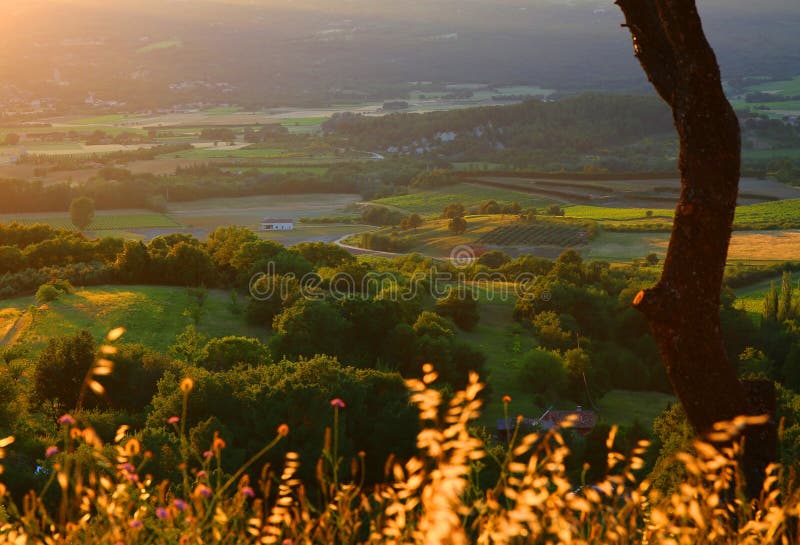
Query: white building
[(270, 224)]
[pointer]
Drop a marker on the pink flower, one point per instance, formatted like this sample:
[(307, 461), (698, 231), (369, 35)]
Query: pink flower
[(173, 420), (51, 451), (136, 523), (338, 403), (180, 504), (248, 491), (201, 474), (208, 454), (162, 513), (66, 419), (202, 490)]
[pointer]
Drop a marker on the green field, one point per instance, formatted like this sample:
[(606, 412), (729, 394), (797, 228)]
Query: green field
[(166, 44), (751, 298), (223, 110), (241, 153), (600, 213), (770, 213), (105, 220), (432, 202), (785, 87), (152, 315), (625, 407), (791, 153)]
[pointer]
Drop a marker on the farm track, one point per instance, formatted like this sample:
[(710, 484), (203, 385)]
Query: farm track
[(16, 330)]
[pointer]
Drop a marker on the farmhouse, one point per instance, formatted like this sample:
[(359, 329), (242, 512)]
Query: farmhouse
[(271, 224), (580, 420)]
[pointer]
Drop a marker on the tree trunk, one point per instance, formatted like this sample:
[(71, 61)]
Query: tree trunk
[(683, 308)]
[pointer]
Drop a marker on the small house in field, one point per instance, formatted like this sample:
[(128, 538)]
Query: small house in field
[(579, 420), (271, 224)]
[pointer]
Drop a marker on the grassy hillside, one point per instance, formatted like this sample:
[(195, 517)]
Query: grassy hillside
[(152, 315)]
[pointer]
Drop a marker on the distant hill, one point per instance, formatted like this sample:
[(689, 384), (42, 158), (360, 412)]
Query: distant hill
[(268, 52)]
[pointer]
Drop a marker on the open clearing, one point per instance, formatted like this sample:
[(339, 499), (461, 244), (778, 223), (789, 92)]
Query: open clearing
[(152, 315), (103, 220), (625, 407)]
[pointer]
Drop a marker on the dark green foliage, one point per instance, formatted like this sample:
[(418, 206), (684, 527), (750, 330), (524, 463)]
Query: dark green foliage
[(544, 373), (454, 210), (673, 434), (321, 254), (433, 179), (61, 368), (457, 225), (81, 212), (461, 306), (494, 259), (248, 404), (226, 352), (132, 384)]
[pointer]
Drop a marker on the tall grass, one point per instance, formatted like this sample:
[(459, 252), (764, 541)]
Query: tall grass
[(97, 493)]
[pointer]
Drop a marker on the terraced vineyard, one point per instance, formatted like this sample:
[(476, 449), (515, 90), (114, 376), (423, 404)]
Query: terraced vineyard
[(543, 234)]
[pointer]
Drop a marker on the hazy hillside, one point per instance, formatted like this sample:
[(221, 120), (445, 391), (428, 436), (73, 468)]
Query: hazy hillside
[(305, 51)]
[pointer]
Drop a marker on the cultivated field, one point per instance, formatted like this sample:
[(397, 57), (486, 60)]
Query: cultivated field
[(539, 234), (432, 202)]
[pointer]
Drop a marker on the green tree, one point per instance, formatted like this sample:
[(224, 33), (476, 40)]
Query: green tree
[(81, 212), (61, 369), (771, 303), (225, 352), (189, 345), (11, 259), (453, 210), (785, 305), (457, 225)]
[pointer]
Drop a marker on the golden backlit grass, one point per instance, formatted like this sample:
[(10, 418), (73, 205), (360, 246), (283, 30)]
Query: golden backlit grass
[(430, 499)]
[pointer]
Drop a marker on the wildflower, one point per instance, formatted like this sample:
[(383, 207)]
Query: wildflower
[(208, 454), (248, 491), (66, 420), (283, 430), (127, 467), (186, 385), (173, 420), (115, 333), (132, 477), (201, 474), (162, 513), (506, 399), (51, 451), (179, 504), (219, 443), (136, 523), (202, 490), (338, 403)]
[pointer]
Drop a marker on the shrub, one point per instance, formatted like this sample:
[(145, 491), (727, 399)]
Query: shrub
[(47, 293)]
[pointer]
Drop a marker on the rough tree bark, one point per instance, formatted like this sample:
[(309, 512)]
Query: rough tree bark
[(683, 307)]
